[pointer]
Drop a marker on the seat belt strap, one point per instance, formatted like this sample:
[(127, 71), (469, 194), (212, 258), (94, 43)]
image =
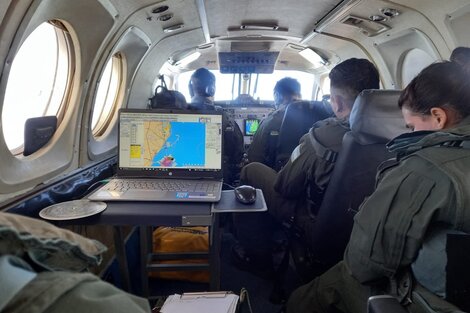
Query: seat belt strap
[(322, 151), (14, 275)]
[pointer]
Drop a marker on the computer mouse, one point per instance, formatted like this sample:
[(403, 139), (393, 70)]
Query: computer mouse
[(245, 194)]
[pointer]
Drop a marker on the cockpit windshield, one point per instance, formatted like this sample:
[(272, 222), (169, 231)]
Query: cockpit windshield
[(258, 86)]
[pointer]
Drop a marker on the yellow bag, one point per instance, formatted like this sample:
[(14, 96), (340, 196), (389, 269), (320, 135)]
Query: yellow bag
[(181, 239)]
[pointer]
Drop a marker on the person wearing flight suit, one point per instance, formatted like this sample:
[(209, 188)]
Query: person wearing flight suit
[(285, 91), (311, 163), (202, 90), (427, 189)]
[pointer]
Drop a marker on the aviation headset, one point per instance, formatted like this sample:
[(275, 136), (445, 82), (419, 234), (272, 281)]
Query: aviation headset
[(202, 76)]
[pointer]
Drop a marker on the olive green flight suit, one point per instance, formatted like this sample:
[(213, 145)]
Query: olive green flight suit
[(429, 186), (286, 192), (62, 291), (268, 131)]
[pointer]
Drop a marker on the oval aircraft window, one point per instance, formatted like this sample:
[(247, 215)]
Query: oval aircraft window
[(412, 63), (107, 94), (38, 80)]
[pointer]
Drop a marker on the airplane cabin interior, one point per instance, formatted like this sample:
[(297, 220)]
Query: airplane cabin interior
[(69, 69)]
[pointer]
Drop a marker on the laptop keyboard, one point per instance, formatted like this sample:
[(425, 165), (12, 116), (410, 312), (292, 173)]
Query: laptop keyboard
[(122, 185)]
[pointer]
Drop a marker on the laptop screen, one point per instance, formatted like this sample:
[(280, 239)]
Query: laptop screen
[(170, 142)]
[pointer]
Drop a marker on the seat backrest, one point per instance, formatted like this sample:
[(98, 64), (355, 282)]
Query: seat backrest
[(37, 132), (442, 265), (167, 99), (440, 271), (375, 119), (298, 119)]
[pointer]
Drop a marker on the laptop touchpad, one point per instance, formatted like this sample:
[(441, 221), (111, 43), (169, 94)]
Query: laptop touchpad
[(143, 194)]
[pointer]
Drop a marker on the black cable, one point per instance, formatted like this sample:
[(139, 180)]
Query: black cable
[(228, 185), (244, 296)]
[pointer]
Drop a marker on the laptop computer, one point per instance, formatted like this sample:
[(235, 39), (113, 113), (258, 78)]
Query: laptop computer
[(167, 155)]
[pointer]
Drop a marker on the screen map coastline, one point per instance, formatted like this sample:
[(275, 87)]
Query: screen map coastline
[(178, 144)]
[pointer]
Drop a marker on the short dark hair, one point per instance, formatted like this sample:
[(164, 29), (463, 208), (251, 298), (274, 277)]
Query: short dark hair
[(442, 84), (200, 80), (287, 87), (461, 55), (355, 75)]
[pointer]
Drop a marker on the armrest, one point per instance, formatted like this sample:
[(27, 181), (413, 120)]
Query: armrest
[(384, 304)]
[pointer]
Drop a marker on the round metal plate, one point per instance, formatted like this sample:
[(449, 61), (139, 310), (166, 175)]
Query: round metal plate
[(72, 210)]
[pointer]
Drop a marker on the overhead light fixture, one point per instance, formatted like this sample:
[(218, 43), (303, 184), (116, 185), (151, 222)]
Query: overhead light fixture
[(259, 27), (390, 12), (160, 9), (205, 46), (313, 57), (173, 28), (377, 18), (193, 56), (165, 17), (329, 18), (295, 47)]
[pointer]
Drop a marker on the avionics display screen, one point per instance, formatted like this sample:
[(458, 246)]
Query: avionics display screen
[(251, 126)]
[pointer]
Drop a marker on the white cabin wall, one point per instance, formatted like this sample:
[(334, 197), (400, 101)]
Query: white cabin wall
[(133, 44), (425, 20), (145, 58), (141, 89), (60, 155), (190, 36), (11, 14), (450, 18)]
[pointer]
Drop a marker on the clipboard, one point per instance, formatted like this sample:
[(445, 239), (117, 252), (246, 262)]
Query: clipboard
[(201, 302), (209, 295)]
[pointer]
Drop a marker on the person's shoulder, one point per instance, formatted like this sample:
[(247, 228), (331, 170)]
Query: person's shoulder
[(274, 118), (330, 127), (332, 122), (328, 133)]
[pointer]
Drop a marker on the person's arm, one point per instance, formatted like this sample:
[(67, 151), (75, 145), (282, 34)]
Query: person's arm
[(257, 150), (233, 141), (291, 181), (239, 142), (391, 224)]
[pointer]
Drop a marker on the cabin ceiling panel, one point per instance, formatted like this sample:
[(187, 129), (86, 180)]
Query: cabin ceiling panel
[(451, 18), (139, 13), (433, 9), (141, 86), (338, 49), (300, 18), (426, 16), (458, 24)]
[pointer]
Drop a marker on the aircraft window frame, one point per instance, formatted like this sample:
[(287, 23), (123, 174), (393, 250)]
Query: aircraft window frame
[(324, 87), (108, 99), (411, 63), (24, 87)]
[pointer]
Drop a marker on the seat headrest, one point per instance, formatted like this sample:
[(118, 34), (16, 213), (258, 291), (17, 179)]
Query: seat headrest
[(376, 117)]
